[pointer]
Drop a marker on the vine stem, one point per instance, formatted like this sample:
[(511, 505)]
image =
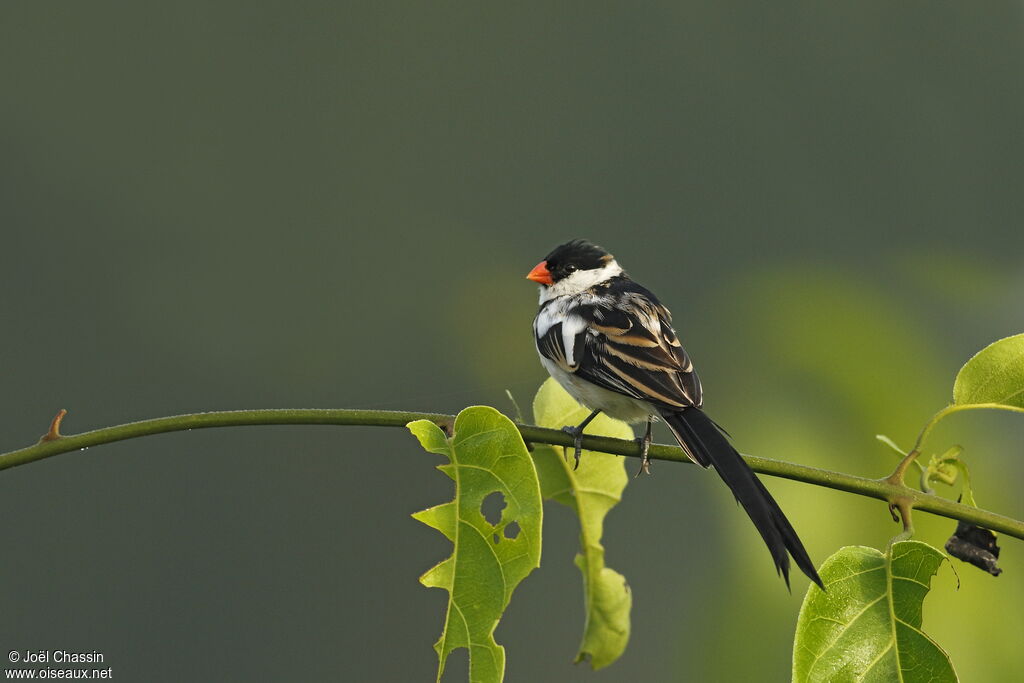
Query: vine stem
[(901, 469), (956, 408), (53, 443)]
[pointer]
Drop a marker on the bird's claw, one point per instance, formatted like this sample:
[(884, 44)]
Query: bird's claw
[(577, 435)]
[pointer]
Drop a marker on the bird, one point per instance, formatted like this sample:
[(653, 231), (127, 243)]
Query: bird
[(610, 343)]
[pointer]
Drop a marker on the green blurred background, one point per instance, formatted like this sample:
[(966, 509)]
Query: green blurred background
[(215, 206)]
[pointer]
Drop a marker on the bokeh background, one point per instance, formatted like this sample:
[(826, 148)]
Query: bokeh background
[(214, 206)]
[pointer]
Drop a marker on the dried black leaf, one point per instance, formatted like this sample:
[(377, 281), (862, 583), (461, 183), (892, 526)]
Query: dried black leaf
[(975, 545)]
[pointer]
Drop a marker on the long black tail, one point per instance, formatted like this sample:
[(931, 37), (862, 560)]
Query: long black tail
[(704, 441)]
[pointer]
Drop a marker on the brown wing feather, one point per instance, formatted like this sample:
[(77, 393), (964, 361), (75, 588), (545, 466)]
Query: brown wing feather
[(634, 345)]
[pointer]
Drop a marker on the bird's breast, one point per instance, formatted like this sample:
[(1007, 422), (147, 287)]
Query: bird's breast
[(593, 397)]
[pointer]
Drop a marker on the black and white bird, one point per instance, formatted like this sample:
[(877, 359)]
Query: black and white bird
[(610, 343)]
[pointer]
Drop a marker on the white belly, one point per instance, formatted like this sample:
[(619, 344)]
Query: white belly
[(594, 397)]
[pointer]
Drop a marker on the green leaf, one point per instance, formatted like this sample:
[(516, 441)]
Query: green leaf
[(867, 627), (591, 491), (486, 454), (994, 375), (945, 467)]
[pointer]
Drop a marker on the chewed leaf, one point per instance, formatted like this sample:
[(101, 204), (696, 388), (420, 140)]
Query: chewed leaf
[(975, 545), (591, 491), (994, 375), (487, 455), (867, 627)]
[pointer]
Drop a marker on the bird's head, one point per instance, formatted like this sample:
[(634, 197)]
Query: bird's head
[(573, 267)]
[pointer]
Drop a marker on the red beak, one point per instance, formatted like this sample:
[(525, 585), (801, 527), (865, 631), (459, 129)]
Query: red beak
[(541, 274)]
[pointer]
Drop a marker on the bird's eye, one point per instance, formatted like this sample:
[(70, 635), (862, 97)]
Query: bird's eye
[(569, 268)]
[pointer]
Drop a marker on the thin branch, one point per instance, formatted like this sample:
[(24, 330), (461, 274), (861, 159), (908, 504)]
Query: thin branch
[(956, 408), (897, 477), (874, 488)]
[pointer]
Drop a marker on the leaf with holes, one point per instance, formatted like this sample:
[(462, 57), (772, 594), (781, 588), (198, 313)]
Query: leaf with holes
[(487, 455), (591, 491), (867, 627), (994, 375)]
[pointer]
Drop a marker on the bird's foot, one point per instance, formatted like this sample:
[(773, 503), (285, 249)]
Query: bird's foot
[(645, 462), (577, 435)]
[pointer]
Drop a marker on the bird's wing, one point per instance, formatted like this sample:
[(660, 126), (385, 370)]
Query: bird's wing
[(563, 342), (624, 342)]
